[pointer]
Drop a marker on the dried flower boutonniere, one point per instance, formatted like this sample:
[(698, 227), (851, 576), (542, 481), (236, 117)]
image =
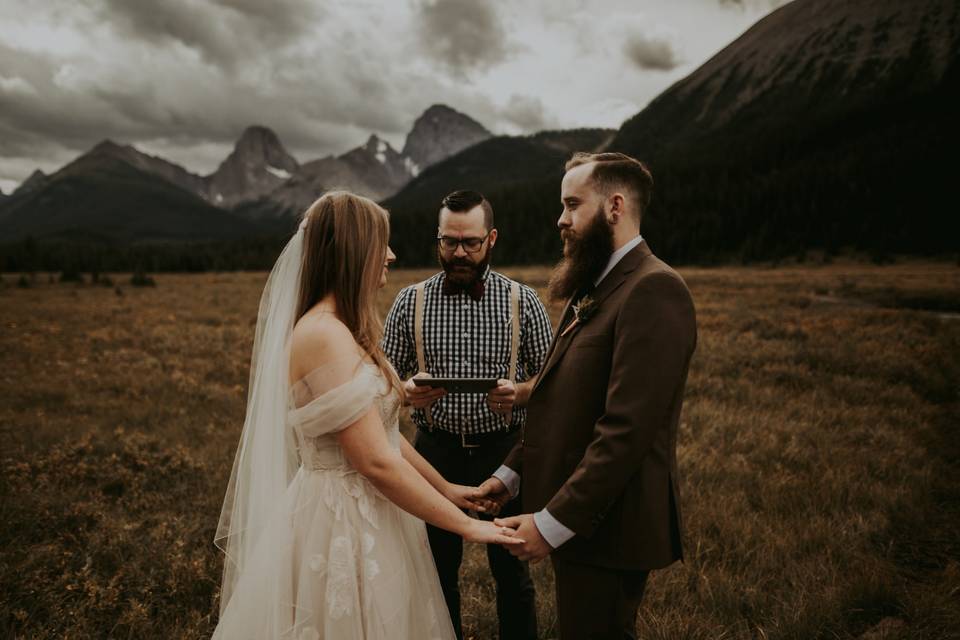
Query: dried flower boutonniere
[(583, 310)]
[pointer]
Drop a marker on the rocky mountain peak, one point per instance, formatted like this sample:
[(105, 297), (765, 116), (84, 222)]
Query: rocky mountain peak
[(257, 165), (376, 146), (108, 146), (439, 133), (260, 145), (34, 181)]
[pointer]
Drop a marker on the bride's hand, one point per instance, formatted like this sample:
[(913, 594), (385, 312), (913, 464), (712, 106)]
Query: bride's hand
[(486, 532), (465, 498)]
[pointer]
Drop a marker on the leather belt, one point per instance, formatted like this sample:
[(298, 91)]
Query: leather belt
[(468, 440)]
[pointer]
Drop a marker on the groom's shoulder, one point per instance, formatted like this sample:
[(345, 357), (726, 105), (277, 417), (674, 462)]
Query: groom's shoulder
[(656, 276)]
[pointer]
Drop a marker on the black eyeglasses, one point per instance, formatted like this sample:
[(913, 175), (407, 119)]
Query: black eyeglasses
[(470, 245)]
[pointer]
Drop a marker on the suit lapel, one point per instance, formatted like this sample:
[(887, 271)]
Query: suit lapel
[(564, 319), (607, 286)]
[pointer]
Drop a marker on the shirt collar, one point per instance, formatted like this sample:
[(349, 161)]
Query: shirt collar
[(617, 256)]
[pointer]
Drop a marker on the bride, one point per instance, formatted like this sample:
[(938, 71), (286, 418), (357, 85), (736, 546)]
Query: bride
[(323, 520)]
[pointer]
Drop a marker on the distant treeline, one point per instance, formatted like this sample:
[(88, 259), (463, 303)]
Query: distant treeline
[(31, 255)]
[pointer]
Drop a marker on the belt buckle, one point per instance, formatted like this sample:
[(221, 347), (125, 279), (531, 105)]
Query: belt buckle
[(463, 442)]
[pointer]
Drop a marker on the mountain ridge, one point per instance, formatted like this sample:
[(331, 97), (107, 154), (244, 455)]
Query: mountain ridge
[(141, 207), (261, 180)]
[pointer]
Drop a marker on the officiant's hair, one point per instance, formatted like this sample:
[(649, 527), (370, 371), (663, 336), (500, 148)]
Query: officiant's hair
[(344, 247), (617, 171), (465, 200)]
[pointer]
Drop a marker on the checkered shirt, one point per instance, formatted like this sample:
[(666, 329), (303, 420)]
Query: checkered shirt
[(464, 338)]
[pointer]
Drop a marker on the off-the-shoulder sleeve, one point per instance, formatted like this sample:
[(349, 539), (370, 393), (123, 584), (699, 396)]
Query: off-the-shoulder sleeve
[(334, 396)]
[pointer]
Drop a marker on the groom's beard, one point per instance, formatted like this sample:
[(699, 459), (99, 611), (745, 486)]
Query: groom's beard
[(585, 256), (464, 271)]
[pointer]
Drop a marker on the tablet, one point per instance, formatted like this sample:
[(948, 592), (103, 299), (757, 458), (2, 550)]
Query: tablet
[(458, 385)]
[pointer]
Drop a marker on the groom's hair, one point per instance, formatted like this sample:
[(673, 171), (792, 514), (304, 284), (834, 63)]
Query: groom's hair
[(617, 172), (465, 200)]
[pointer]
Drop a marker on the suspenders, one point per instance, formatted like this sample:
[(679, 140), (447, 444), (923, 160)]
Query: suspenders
[(514, 337)]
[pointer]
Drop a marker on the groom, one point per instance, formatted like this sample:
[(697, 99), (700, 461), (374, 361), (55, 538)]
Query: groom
[(597, 459)]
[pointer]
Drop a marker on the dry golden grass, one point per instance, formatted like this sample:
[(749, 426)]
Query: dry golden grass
[(818, 450)]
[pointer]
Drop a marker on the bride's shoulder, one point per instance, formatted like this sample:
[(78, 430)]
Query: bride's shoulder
[(320, 340)]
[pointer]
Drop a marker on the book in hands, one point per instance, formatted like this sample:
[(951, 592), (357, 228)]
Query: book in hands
[(458, 385)]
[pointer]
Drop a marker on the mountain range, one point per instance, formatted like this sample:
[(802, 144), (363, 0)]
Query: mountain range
[(117, 193), (827, 125)]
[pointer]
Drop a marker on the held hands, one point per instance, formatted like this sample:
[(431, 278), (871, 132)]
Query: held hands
[(487, 532), (493, 494), (534, 548), (467, 498), (502, 398), (422, 397)]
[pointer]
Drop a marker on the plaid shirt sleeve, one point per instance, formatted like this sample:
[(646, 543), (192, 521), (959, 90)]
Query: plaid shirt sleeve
[(536, 333), (397, 342)]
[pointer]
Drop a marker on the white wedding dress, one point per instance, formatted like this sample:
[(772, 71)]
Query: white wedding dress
[(338, 561)]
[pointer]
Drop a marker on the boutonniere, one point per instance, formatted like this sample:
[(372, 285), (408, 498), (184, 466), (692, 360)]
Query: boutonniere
[(583, 310)]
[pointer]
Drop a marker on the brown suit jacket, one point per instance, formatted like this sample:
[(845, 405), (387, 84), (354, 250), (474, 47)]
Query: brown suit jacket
[(599, 446)]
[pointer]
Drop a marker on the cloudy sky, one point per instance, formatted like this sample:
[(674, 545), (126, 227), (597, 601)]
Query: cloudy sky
[(183, 78)]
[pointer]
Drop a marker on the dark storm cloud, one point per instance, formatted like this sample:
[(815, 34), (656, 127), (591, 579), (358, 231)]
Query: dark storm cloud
[(224, 32), (461, 34), (139, 87), (650, 52), (34, 108), (528, 113)]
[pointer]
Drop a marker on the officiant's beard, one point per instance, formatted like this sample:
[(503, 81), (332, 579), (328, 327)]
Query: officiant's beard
[(464, 271), (585, 256)]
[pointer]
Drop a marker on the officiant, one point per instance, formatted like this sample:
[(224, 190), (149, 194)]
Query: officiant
[(469, 321)]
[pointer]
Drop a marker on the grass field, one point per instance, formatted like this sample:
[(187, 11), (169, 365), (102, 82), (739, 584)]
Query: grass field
[(819, 451)]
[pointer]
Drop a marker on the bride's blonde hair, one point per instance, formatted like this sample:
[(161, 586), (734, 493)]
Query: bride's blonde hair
[(344, 249)]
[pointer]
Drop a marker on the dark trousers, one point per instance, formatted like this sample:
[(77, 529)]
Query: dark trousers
[(595, 603), (516, 599)]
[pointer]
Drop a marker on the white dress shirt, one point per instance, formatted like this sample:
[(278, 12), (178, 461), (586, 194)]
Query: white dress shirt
[(552, 530)]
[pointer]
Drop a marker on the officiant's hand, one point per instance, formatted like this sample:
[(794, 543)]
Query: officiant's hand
[(535, 548), (494, 493), (421, 397), (502, 398)]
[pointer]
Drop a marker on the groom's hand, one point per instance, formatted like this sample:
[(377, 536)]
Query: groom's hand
[(535, 548), (420, 397), (493, 494)]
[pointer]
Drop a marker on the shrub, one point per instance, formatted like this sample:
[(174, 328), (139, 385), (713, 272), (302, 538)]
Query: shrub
[(70, 275), (141, 279)]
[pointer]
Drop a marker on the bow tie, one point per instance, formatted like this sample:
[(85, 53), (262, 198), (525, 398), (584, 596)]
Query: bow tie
[(474, 290)]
